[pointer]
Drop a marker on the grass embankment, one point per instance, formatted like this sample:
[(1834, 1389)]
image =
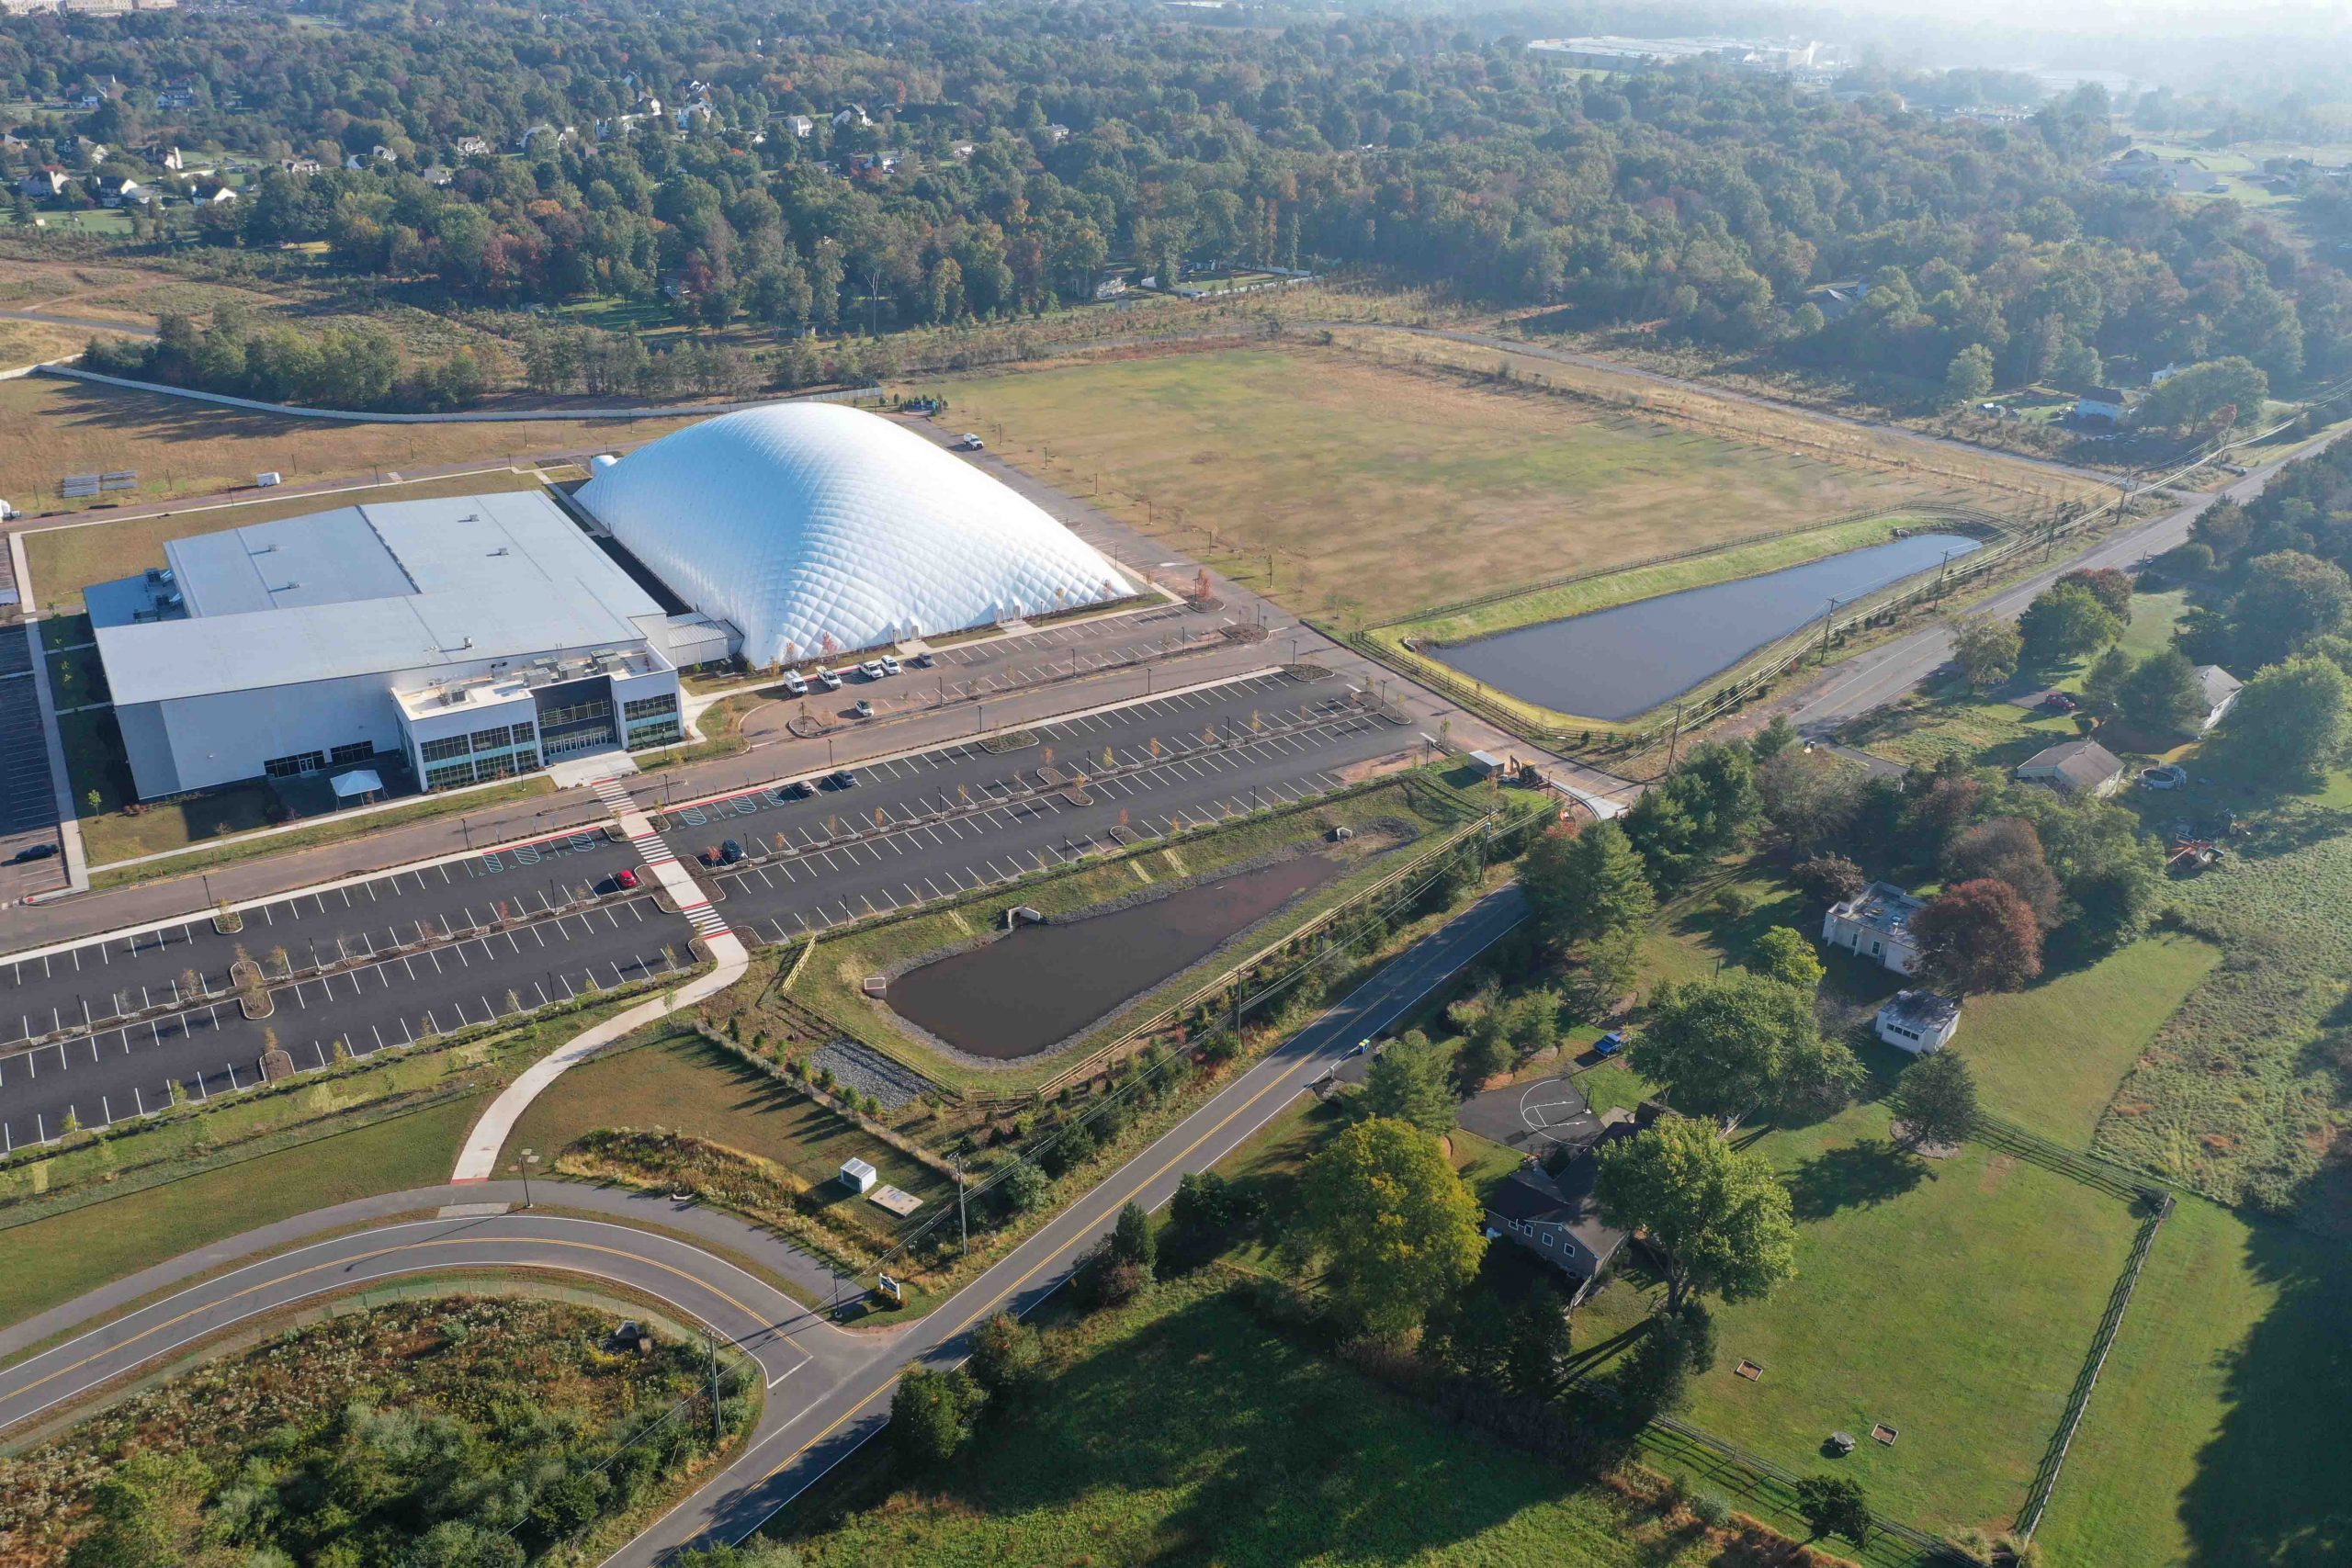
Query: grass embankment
[(1650, 582), (1345, 471), (1179, 1429), (350, 1437), (787, 1148), (830, 980), (113, 1205), (51, 427)]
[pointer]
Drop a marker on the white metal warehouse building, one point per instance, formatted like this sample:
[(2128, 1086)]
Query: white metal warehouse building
[(484, 636)]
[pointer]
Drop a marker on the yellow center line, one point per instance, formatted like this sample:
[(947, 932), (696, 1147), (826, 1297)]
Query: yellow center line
[(1160, 1170)]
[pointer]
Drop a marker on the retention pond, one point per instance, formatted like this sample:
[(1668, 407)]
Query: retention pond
[(1040, 985), (1626, 660)]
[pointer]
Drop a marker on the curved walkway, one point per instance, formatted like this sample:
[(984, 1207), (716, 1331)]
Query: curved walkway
[(827, 1389)]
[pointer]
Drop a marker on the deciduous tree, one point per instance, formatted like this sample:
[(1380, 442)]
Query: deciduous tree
[(1393, 1226), (2289, 721), (1935, 1100), (1979, 936), (933, 1415), (1834, 1505), (1782, 954), (1718, 1220), (1987, 649), (2163, 695), (2066, 621)]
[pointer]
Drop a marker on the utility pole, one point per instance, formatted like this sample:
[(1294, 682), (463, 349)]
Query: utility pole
[(963, 1234), (717, 1420), (1828, 617), (1674, 747)]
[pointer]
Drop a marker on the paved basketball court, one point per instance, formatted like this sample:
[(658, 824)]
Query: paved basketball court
[(1532, 1117)]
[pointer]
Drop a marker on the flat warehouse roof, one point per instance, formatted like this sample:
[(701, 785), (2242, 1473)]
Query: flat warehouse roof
[(377, 589)]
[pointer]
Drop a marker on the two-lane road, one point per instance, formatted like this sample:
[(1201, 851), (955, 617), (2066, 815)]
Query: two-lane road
[(827, 1389)]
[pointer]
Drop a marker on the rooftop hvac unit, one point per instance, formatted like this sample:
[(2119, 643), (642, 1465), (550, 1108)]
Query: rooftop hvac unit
[(602, 460), (174, 600)]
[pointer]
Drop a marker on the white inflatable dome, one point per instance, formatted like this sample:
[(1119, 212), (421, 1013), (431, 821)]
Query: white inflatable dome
[(800, 522)]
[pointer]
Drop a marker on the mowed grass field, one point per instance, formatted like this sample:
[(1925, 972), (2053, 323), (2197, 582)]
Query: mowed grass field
[(1954, 1299), (49, 428), (1180, 1430), (1387, 491), (2216, 1438)]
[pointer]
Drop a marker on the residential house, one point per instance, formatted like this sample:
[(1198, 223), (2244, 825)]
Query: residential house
[(175, 98), (1109, 285), (165, 157), (688, 114), (1057, 134), (544, 132), (1876, 924), (800, 125), (2112, 404), (1555, 1215), (300, 165), (439, 174), (116, 189), (2074, 767), (961, 151), (2221, 689), (874, 163), (473, 147), (851, 115), (1918, 1021), (212, 193), (45, 182)]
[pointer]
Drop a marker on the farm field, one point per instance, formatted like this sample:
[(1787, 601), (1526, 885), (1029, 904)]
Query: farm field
[(1178, 1429), (2241, 1093), (49, 428), (2000, 1269), (1379, 491)]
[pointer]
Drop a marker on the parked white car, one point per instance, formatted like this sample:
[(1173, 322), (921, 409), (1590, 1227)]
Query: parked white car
[(890, 665), (831, 678), (871, 669)]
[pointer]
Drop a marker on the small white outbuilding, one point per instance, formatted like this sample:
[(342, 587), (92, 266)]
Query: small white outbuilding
[(858, 1175)]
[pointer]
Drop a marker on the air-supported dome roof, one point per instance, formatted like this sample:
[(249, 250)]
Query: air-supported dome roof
[(803, 521)]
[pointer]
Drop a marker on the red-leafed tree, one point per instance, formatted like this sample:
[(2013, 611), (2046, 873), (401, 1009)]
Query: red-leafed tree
[(1980, 936)]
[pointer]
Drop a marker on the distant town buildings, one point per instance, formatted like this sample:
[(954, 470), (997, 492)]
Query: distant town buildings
[(1610, 51)]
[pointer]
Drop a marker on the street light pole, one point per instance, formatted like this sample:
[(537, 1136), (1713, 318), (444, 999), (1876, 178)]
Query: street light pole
[(529, 1158)]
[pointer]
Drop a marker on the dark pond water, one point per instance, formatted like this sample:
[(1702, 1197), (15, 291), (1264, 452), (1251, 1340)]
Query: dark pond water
[(1628, 658), (1018, 995)]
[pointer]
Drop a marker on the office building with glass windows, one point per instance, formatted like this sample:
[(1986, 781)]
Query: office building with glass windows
[(470, 639)]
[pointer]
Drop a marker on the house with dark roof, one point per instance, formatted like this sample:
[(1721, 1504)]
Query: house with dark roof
[(2221, 689), (1918, 1021), (2074, 767), (1554, 1213)]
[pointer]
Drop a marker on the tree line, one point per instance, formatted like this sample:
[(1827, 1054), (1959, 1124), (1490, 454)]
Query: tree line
[(1037, 143)]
